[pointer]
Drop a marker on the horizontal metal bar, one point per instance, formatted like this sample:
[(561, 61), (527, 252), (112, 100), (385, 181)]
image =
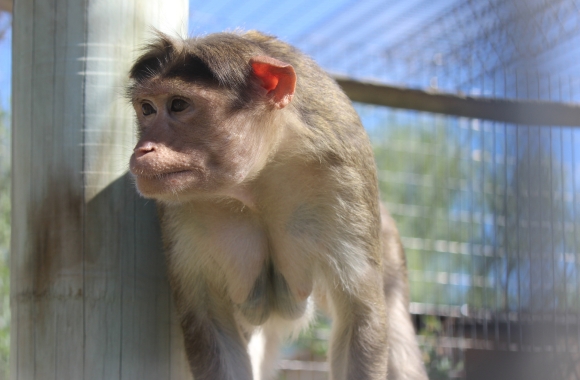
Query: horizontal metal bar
[(299, 365), (527, 112)]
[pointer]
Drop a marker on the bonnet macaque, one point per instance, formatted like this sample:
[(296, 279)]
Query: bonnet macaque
[(269, 204)]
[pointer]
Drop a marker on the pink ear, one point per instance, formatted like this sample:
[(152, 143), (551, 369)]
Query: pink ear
[(277, 77)]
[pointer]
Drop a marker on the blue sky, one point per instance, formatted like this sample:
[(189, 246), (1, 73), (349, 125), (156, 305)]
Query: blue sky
[(319, 28), (344, 36)]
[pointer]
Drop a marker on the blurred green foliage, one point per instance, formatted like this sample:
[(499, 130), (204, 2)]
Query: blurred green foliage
[(440, 364), (312, 344), (421, 166), (425, 167)]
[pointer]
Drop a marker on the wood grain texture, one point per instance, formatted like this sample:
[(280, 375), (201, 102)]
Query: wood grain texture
[(89, 295)]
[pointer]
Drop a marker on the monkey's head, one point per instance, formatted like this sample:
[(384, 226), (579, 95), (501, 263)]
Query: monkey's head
[(206, 113)]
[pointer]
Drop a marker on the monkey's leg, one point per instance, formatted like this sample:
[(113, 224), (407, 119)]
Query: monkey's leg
[(405, 360), (359, 343), (214, 344)]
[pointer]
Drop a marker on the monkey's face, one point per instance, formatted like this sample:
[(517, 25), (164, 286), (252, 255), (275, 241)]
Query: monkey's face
[(201, 135), (190, 141)]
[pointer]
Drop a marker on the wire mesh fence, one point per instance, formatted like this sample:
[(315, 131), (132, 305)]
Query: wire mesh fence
[(488, 211), (488, 214)]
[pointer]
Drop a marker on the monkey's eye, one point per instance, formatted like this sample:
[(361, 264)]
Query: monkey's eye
[(178, 105), (147, 109)]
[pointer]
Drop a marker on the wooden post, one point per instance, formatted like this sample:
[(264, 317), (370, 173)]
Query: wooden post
[(89, 296)]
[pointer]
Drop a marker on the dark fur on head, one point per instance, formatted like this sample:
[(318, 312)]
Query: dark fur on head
[(221, 60)]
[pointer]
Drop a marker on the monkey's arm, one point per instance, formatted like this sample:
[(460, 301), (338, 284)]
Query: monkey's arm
[(202, 285), (215, 347)]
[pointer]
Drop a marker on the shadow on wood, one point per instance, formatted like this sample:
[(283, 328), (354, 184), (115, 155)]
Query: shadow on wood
[(136, 325)]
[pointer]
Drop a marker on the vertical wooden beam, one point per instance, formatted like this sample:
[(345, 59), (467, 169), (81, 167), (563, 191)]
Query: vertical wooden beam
[(89, 296)]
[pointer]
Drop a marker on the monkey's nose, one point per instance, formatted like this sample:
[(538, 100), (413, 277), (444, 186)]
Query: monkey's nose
[(142, 149)]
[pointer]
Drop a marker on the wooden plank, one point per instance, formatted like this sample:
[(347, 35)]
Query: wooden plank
[(106, 213), (44, 240), (22, 324), (89, 293), (103, 283), (526, 112), (146, 302), (134, 343), (67, 156)]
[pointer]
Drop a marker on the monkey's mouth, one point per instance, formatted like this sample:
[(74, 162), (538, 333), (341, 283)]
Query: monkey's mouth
[(160, 185), (169, 180), (162, 176)]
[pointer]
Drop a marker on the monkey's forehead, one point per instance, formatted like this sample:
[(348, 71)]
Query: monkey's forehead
[(158, 85)]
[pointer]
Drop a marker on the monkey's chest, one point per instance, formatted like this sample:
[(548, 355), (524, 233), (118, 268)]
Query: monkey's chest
[(271, 294), (261, 267), (263, 271), (261, 281)]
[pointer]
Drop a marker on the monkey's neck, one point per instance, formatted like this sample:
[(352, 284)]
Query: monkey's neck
[(243, 194)]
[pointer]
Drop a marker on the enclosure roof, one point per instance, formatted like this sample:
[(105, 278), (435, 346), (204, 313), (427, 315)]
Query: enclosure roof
[(400, 42)]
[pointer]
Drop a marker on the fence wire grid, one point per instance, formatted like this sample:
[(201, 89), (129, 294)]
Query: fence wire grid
[(488, 211)]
